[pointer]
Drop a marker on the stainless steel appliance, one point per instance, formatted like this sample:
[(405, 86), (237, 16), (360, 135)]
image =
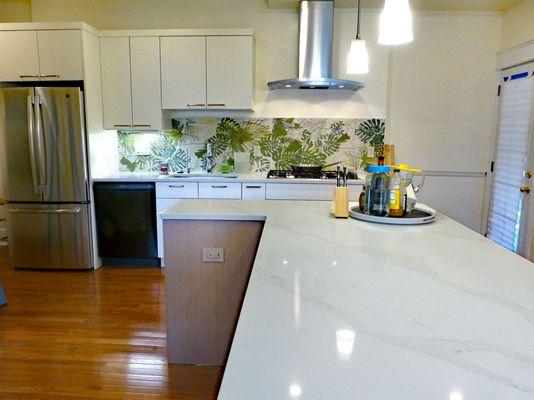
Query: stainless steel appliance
[(316, 33), (45, 176)]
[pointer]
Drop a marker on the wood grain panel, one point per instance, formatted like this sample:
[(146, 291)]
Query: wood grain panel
[(91, 335), (204, 299)]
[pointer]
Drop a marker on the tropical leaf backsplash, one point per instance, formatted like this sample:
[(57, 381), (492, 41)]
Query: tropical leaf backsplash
[(271, 143)]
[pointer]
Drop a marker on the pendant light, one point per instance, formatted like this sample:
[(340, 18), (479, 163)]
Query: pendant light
[(396, 23), (358, 59)]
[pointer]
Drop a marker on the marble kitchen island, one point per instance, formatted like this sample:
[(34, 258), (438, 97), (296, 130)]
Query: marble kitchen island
[(343, 309)]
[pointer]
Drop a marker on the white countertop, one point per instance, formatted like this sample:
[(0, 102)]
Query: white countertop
[(437, 310), (260, 177)]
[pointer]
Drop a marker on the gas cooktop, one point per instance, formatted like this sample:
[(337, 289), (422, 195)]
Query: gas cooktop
[(288, 174)]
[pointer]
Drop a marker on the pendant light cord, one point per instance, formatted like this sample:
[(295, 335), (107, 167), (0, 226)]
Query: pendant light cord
[(358, 21)]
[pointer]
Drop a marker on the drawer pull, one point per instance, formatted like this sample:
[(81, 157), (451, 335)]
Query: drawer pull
[(177, 186), (28, 76), (216, 105), (253, 187), (50, 76), (141, 126), (196, 105), (219, 186), (122, 126)]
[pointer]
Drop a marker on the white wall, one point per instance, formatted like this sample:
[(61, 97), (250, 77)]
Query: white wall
[(518, 24), (15, 11)]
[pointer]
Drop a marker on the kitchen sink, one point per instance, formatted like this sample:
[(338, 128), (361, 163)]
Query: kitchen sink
[(202, 176)]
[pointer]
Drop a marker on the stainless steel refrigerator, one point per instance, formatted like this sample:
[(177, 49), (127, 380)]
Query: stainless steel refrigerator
[(45, 176)]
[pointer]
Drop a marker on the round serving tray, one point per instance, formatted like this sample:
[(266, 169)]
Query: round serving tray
[(419, 216)]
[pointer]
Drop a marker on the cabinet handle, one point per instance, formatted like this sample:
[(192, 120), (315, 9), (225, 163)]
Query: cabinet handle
[(141, 126), (219, 186), (50, 76), (177, 186), (196, 105), (253, 187), (28, 76), (122, 126), (216, 105)]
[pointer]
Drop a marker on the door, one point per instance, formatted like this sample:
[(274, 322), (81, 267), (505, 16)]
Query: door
[(508, 222), (116, 85), (146, 83), (61, 144), (183, 72), (49, 236), (18, 153), (60, 55), (229, 72), (20, 59)]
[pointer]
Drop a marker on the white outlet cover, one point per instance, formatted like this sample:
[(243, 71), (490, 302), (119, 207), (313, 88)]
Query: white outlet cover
[(212, 254)]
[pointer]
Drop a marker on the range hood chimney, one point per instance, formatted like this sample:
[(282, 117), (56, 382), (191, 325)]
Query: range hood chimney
[(316, 33)]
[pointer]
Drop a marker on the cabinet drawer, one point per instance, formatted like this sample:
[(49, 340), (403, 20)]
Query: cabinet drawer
[(220, 190), (253, 191), (177, 190), (306, 191)]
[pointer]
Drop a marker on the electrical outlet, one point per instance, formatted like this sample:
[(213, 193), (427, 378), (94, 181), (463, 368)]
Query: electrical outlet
[(212, 255)]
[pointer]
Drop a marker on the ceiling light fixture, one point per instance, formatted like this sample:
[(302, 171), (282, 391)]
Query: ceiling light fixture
[(358, 59), (396, 23)]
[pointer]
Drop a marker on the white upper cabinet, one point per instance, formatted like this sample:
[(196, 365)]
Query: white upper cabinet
[(131, 87), (146, 83), (229, 72), (41, 55), (116, 89), (20, 59), (213, 72), (60, 55), (183, 72)]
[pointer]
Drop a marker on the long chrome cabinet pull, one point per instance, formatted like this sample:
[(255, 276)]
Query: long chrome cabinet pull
[(219, 186), (177, 186), (31, 145), (28, 76), (141, 125), (122, 126), (196, 105), (253, 187), (216, 105), (40, 145), (39, 211), (50, 76)]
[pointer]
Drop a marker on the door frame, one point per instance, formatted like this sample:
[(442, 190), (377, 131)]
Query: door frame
[(525, 245)]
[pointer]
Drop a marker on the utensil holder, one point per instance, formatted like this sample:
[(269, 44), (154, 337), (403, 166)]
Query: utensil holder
[(340, 206)]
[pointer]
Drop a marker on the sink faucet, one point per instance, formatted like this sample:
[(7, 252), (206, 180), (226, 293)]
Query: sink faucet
[(210, 159)]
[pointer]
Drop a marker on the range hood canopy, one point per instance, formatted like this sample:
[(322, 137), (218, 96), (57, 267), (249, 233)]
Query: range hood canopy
[(316, 33)]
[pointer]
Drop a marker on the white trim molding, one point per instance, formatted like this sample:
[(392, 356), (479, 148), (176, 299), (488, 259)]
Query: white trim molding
[(516, 55)]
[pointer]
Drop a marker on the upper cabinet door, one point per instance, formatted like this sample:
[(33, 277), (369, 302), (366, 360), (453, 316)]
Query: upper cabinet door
[(60, 55), (146, 83), (230, 72), (19, 56), (183, 72), (116, 89)]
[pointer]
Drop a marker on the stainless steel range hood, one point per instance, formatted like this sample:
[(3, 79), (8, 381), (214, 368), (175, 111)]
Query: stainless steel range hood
[(315, 50)]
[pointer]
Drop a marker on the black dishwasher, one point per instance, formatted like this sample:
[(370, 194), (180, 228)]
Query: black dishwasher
[(126, 223)]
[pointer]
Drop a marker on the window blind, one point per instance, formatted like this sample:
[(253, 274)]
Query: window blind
[(513, 138)]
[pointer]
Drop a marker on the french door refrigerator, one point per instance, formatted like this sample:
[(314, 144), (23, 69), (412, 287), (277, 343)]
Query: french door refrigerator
[(45, 176)]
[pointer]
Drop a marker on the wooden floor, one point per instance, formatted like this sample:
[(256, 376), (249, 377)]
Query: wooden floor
[(90, 335)]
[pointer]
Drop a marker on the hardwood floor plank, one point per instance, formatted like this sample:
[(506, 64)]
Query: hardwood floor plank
[(78, 335)]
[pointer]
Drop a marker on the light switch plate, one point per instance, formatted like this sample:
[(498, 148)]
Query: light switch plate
[(212, 255)]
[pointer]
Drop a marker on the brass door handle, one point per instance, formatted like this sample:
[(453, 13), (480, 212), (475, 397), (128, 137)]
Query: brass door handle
[(524, 189), (528, 174)]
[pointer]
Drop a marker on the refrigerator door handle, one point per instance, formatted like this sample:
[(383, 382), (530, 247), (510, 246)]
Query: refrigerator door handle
[(31, 142), (39, 211), (40, 145)]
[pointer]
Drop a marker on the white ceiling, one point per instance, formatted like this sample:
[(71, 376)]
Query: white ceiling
[(441, 5)]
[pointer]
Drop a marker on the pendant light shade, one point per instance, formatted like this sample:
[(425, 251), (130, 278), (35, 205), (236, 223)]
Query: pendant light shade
[(358, 60), (396, 23)]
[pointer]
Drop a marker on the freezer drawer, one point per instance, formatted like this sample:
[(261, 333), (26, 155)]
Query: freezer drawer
[(49, 236)]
